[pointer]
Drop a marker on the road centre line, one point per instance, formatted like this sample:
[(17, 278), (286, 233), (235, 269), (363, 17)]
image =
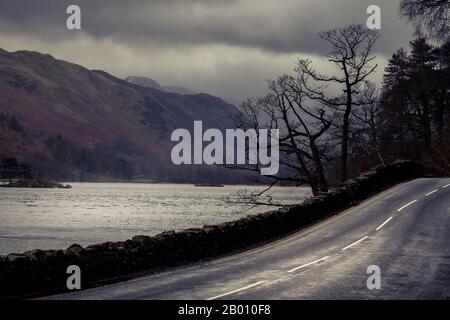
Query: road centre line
[(383, 224), (446, 186), (237, 290), (407, 205), (430, 193), (308, 264), (355, 243)]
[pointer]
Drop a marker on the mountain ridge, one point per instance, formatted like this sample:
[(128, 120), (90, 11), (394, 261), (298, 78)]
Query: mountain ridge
[(152, 83)]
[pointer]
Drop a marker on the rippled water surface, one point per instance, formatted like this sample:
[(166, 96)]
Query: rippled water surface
[(97, 212)]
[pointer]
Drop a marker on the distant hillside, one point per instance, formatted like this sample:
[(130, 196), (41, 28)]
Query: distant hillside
[(151, 83), (73, 123)]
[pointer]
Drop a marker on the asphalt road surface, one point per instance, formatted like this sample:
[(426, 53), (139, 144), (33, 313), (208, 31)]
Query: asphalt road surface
[(405, 231)]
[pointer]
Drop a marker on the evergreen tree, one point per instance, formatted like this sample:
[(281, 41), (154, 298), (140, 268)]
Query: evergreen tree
[(415, 100), (422, 84), (396, 71), (441, 94)]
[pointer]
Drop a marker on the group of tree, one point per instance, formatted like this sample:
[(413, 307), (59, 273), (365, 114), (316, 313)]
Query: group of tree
[(71, 160), (336, 124), (415, 103), (11, 169)]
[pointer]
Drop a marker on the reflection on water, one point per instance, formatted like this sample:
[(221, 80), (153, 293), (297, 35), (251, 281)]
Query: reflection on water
[(97, 212)]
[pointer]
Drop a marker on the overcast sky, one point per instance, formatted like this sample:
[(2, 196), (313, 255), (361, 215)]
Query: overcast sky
[(223, 47)]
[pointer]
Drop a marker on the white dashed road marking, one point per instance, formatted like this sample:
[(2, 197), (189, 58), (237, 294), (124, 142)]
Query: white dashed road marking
[(355, 243), (308, 264), (407, 205), (237, 290), (384, 223)]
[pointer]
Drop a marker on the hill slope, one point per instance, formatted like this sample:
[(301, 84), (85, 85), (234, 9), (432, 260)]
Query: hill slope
[(75, 123)]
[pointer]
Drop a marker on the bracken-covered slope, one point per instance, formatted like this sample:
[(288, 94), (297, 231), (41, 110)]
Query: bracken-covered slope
[(73, 123)]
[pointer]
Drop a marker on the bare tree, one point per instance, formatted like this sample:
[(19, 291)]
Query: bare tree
[(351, 48), (434, 15), (368, 123), (303, 142), (252, 199)]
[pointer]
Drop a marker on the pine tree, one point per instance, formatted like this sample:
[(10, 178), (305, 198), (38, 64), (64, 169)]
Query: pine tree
[(441, 95), (396, 71), (422, 85), (421, 60)]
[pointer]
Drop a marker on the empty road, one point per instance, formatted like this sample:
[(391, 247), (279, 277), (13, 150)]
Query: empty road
[(405, 231)]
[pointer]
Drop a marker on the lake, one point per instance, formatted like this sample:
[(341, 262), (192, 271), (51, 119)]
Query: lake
[(92, 213)]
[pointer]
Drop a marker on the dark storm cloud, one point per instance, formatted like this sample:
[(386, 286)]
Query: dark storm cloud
[(223, 47), (278, 26)]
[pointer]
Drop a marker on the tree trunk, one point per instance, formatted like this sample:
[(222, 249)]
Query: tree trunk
[(346, 123), (314, 186), (344, 143), (319, 172)]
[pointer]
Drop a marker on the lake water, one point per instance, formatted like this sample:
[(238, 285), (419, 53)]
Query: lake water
[(92, 213)]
